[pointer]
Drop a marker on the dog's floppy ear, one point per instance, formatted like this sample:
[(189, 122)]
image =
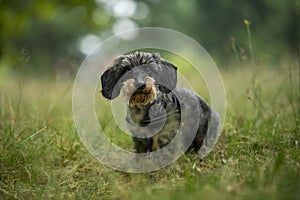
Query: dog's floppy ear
[(168, 77), (111, 85)]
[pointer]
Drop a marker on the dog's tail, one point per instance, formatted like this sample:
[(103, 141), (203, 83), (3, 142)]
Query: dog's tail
[(212, 135)]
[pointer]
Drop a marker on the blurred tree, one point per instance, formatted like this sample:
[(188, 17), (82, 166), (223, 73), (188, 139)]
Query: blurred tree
[(213, 23), (45, 33)]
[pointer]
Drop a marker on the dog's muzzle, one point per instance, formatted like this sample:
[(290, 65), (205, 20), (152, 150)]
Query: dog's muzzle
[(139, 92)]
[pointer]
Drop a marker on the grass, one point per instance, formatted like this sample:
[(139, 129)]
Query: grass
[(256, 157), (247, 24)]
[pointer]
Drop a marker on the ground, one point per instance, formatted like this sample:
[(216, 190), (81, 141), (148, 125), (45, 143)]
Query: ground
[(256, 157)]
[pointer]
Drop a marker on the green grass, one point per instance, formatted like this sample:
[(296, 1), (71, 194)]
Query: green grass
[(256, 157)]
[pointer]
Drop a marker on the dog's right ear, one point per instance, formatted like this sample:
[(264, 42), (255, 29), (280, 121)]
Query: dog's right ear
[(110, 79)]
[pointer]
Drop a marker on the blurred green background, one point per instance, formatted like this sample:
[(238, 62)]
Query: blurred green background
[(54, 36), (255, 44)]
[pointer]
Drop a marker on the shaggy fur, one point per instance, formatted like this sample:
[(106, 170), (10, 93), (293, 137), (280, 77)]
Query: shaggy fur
[(154, 110)]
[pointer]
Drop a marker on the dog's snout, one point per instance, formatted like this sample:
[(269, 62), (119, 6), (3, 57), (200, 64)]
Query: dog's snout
[(140, 82), (142, 86), (140, 79)]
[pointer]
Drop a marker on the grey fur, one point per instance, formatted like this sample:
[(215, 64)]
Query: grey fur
[(163, 115)]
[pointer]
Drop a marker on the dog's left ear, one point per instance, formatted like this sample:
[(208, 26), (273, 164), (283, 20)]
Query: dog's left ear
[(110, 79), (168, 77)]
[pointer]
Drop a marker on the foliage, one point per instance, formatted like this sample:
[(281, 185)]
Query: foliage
[(213, 23), (40, 35), (256, 157), (44, 34)]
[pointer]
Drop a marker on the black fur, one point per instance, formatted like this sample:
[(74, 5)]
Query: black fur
[(136, 65), (111, 85), (163, 115)]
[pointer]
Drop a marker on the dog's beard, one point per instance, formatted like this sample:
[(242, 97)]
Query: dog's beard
[(144, 97), (139, 97)]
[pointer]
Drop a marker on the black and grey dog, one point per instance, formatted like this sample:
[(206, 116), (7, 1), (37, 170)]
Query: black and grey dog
[(148, 83)]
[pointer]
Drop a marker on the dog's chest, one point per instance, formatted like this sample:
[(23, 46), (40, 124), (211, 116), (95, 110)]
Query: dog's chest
[(160, 119)]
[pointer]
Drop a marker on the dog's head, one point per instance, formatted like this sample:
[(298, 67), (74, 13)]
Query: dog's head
[(139, 75)]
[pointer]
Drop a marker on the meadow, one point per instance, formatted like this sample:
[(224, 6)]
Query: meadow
[(256, 157)]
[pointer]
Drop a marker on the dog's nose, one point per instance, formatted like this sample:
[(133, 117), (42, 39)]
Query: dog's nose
[(140, 83), (142, 86)]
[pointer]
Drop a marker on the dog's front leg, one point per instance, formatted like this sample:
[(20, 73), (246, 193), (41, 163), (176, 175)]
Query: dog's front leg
[(142, 145)]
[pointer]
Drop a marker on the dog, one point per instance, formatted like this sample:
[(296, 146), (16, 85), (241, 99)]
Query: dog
[(154, 111)]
